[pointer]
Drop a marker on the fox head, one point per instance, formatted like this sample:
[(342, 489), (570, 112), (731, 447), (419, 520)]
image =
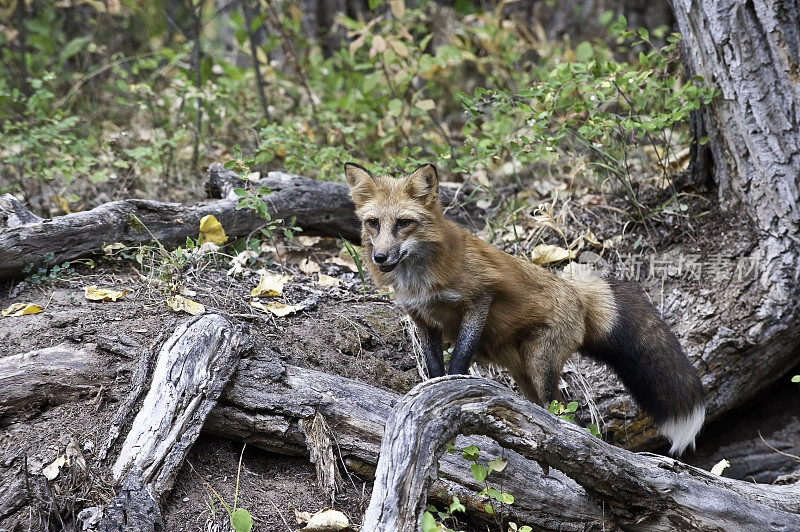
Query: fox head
[(400, 217)]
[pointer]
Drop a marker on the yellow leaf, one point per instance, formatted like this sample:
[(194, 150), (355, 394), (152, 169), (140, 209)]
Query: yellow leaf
[(93, 293), (327, 280), (425, 105), (211, 230), (546, 253), (308, 241), (111, 248), (21, 309), (720, 466), (270, 285), (51, 470), (344, 263), (398, 8), (279, 309), (327, 520), (378, 46), (308, 266), (356, 44), (179, 303), (399, 47)]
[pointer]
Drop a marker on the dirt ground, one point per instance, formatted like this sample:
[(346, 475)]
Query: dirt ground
[(341, 331), (345, 329)]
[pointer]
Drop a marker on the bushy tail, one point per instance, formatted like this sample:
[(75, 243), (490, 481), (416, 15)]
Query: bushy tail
[(625, 331)]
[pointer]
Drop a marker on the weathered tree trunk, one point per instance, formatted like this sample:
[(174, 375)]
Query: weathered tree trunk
[(641, 491), (318, 207), (29, 381), (192, 368)]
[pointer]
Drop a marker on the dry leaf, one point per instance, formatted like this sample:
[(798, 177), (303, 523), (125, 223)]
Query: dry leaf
[(425, 105), (327, 280), (344, 263), (111, 248), (327, 521), (74, 455), (547, 253), (720, 466), (308, 241), (308, 266), (270, 285), (51, 470), (93, 293), (179, 303), (279, 309), (399, 47), (301, 517), (398, 8), (378, 46), (211, 230), (21, 309)]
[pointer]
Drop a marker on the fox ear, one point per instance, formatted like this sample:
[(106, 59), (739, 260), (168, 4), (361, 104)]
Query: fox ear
[(361, 182), (423, 183)]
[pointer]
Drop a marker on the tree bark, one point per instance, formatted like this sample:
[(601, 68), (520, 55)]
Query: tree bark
[(318, 207), (641, 491), (192, 368), (29, 381)]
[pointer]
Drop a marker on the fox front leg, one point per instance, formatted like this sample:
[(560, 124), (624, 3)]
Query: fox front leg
[(469, 336), (431, 339)]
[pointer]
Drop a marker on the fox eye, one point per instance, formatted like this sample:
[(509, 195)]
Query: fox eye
[(373, 223), (402, 223)]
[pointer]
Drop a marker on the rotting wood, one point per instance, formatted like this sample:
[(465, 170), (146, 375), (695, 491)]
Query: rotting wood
[(31, 380), (268, 402), (319, 207), (192, 368), (639, 491)]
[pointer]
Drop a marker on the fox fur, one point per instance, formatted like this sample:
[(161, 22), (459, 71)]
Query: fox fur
[(497, 308)]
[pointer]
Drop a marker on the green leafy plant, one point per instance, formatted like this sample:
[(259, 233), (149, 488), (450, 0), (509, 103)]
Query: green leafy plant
[(240, 518), (568, 412)]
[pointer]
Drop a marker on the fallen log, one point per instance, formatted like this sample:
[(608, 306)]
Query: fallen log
[(29, 381), (273, 406), (268, 403), (319, 207), (192, 368), (641, 491)]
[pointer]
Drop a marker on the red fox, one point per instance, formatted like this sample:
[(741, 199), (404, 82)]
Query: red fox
[(515, 313)]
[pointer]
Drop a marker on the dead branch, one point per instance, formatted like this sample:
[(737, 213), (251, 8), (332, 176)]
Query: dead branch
[(641, 491)]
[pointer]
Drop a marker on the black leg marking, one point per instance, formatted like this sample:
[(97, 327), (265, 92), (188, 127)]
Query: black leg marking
[(469, 337)]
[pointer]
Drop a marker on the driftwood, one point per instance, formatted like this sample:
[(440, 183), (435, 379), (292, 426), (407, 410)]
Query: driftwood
[(192, 368), (641, 491), (319, 207)]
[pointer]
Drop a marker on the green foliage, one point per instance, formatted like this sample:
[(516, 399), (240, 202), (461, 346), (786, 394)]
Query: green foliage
[(568, 412), (796, 379), (49, 273), (241, 520), (129, 106)]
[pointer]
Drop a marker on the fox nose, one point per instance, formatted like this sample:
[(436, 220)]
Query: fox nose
[(380, 258)]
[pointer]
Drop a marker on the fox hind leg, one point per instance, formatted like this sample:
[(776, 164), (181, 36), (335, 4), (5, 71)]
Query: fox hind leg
[(542, 357)]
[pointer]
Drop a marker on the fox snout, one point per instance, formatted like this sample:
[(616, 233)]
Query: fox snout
[(386, 260)]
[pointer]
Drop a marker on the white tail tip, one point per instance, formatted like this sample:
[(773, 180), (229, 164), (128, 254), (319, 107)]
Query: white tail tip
[(682, 431)]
